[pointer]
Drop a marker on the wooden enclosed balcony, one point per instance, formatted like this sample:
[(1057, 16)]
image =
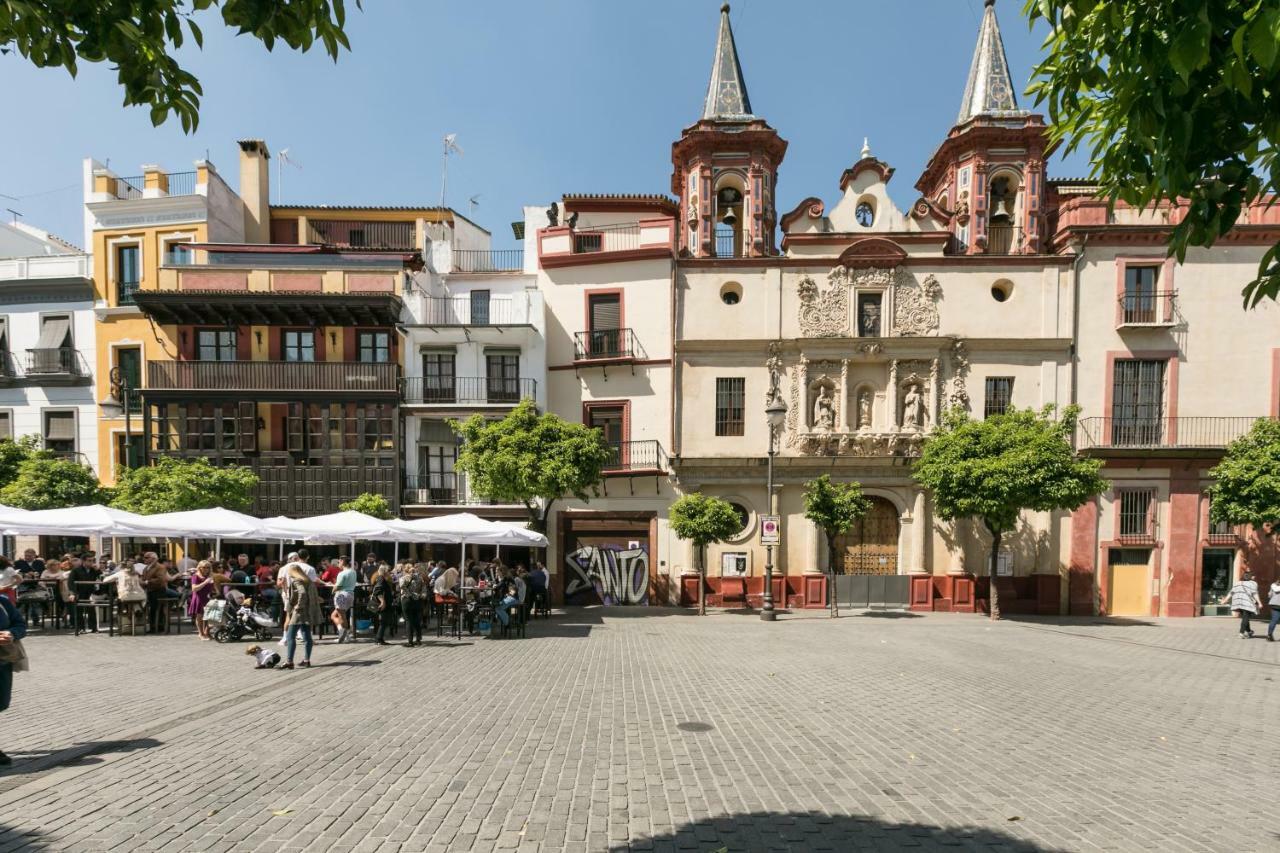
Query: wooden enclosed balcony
[(335, 377)]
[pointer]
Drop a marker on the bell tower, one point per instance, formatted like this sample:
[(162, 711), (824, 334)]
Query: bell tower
[(989, 172), (725, 167)]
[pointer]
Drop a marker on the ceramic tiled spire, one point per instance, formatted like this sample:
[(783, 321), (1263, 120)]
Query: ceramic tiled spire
[(989, 90), (727, 92)]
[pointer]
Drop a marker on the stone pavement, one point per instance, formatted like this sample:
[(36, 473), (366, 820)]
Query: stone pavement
[(612, 730)]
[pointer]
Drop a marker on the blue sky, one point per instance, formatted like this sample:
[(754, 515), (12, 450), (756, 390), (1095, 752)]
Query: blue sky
[(546, 97)]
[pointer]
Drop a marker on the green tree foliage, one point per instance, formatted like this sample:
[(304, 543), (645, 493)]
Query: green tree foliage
[(139, 39), (1246, 488), (702, 520), (369, 504), (833, 508), (527, 457), (46, 482), (14, 453), (177, 485), (1177, 99), (994, 469)]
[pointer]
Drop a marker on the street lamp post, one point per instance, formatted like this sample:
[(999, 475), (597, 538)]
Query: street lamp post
[(775, 413), (120, 391)]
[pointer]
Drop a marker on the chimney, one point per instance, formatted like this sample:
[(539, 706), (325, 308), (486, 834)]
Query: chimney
[(255, 190)]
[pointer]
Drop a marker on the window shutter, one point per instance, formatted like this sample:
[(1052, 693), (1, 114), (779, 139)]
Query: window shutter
[(606, 312), (294, 429), (247, 419), (6, 425), (60, 426)]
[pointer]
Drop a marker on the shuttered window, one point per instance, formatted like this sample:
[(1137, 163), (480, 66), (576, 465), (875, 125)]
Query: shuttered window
[(606, 311), (480, 307), (60, 431), (730, 402), (6, 425)]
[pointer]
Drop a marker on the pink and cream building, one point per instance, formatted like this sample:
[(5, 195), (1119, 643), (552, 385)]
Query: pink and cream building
[(671, 318)]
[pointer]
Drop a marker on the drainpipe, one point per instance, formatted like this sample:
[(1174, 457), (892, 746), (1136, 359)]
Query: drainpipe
[(1076, 265), (675, 369)]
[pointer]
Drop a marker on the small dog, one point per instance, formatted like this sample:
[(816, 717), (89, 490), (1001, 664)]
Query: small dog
[(265, 658)]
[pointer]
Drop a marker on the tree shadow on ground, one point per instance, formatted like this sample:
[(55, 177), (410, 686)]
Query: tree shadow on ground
[(1079, 621), (78, 755), (806, 831), (355, 663), (26, 840)]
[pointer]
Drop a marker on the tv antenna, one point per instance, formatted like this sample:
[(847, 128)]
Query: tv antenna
[(283, 159), (450, 146), (472, 204)]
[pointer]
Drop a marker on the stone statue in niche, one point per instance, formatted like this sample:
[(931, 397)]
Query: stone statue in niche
[(864, 409), (913, 408), (824, 410)]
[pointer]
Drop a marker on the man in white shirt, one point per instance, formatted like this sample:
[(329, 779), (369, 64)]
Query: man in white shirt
[(296, 558)]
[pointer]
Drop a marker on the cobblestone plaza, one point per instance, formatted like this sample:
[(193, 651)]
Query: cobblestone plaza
[(617, 729)]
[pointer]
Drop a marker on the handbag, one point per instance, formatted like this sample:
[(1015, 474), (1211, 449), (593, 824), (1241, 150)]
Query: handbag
[(14, 654)]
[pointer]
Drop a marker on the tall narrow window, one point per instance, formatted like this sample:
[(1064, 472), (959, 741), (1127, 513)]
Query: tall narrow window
[(605, 314), (437, 453), (502, 373), (999, 395), (1137, 513), (60, 432), (869, 314), (375, 347), (1140, 294), (611, 421), (128, 273), (54, 351), (299, 345), (216, 345), (6, 363), (438, 381), (129, 360), (479, 307), (730, 403), (1137, 402)]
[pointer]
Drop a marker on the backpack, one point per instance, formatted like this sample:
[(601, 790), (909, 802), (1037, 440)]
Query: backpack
[(377, 602)]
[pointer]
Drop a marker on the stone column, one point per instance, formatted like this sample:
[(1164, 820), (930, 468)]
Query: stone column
[(843, 421), (891, 395), (918, 535)]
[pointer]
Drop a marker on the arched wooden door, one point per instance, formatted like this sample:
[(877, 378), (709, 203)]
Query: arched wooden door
[(871, 545)]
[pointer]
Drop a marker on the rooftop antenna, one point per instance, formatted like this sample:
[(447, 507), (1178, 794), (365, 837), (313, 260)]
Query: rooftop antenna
[(473, 203), (450, 146), (282, 159), (15, 213)]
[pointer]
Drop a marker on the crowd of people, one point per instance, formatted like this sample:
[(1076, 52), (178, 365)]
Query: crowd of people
[(300, 597)]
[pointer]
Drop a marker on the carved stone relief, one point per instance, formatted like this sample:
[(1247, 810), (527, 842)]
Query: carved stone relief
[(915, 308), (824, 313), (959, 396)]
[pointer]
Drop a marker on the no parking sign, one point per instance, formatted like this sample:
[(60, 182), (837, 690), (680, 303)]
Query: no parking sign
[(770, 530)]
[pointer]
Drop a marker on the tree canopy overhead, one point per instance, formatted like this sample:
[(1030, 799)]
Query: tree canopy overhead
[(178, 485), (993, 469), (1176, 99), (527, 457), (1246, 487), (140, 37)]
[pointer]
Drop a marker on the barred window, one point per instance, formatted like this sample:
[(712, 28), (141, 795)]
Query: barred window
[(999, 395), (730, 396), (1137, 515)]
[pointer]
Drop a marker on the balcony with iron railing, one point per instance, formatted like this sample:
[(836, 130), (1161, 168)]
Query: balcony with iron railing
[(447, 488), (170, 184), (487, 260), (727, 245), (126, 291), (466, 390), (564, 245), (1003, 239), (1152, 308), (605, 345), (466, 310), (56, 363), (271, 376), (1167, 433), (635, 457), (358, 234)]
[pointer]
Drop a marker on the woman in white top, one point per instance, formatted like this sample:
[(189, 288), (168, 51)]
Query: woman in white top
[(1273, 601), (1244, 600)]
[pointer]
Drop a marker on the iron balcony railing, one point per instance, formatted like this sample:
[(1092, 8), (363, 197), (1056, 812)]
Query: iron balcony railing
[(633, 456), (128, 187), (125, 291), (488, 260), (1150, 308), (182, 183), (467, 390), (603, 344), (726, 246), (1003, 239), (606, 238), (272, 376), (432, 489), (357, 234), (466, 311), (1155, 433), (58, 361)]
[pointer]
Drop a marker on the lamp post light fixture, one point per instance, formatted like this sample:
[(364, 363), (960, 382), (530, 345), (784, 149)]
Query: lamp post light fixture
[(116, 405), (775, 412)]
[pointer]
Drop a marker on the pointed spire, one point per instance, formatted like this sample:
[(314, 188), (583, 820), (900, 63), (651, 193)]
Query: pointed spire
[(866, 149), (990, 89), (727, 92)]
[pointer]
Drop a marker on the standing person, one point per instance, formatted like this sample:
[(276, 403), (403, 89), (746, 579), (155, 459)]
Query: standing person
[(12, 658), (299, 559), (80, 579), (155, 580), (1245, 601), (302, 611), (381, 599), (1273, 601), (344, 598), (368, 568), (412, 591), (202, 591)]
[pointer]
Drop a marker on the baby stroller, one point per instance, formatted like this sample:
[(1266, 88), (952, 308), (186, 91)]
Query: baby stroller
[(236, 622)]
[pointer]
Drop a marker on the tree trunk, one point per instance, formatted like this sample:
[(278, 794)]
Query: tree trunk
[(702, 581), (991, 569), (831, 577)]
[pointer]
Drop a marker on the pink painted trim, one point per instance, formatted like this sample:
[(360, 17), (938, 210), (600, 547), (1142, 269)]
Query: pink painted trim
[(1164, 282), (193, 280), (1170, 357), (288, 282), (370, 283)]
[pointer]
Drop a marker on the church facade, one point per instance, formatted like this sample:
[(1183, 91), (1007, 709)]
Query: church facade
[(1000, 286)]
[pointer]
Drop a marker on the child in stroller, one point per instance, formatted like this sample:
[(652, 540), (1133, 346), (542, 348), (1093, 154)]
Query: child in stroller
[(240, 618)]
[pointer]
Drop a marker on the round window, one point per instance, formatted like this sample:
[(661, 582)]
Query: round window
[(744, 516), (731, 293), (1002, 290)]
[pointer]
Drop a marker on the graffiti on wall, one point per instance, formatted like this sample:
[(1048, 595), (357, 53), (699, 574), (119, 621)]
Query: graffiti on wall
[(614, 575)]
